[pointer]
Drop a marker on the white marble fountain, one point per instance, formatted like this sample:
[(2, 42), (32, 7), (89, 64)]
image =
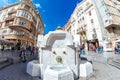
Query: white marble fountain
[(58, 58)]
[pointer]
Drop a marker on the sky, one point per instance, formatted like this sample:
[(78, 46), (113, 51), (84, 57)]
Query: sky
[(54, 13)]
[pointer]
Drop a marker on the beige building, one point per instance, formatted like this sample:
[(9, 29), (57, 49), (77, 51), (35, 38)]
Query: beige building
[(20, 23), (97, 22)]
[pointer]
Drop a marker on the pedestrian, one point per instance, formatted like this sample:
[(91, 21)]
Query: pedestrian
[(32, 51), (3, 48), (117, 48), (100, 49), (90, 47), (82, 49), (94, 49), (23, 54)]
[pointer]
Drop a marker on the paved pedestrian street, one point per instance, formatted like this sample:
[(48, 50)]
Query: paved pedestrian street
[(102, 71), (105, 72), (16, 72)]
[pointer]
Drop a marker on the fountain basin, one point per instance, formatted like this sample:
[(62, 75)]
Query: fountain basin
[(58, 72), (86, 69), (58, 68), (33, 68)]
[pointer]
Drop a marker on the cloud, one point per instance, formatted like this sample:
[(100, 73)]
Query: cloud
[(44, 25), (5, 2), (38, 5)]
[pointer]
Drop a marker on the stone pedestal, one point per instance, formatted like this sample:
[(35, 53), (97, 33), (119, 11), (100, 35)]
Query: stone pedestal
[(33, 68), (58, 72), (86, 69)]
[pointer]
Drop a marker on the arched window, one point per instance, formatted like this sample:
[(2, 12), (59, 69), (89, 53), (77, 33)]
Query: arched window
[(4, 32)]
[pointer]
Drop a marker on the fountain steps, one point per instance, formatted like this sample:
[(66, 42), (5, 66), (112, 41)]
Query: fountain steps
[(115, 63), (4, 62)]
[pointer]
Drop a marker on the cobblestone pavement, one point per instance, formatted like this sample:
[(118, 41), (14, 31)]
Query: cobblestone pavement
[(102, 71), (16, 72), (9, 54), (104, 57), (104, 54), (105, 72)]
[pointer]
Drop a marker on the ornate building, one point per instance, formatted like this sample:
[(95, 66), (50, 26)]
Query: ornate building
[(20, 23), (96, 21)]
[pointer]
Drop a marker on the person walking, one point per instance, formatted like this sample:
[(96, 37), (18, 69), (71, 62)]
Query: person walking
[(117, 48), (3, 48), (100, 49), (82, 49), (23, 54), (32, 51), (94, 49)]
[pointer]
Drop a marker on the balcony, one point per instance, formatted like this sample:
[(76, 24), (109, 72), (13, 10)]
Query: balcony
[(10, 18), (9, 24), (88, 6), (12, 11), (24, 9), (111, 26), (27, 27), (81, 31), (34, 20), (19, 37)]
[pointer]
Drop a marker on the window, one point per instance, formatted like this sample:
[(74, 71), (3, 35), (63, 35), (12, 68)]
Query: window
[(25, 14), (27, 7), (82, 18), (22, 22), (5, 31), (90, 13), (21, 32), (92, 21), (106, 20)]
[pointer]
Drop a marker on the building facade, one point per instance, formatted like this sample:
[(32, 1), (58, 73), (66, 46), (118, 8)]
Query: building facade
[(20, 23), (110, 18), (95, 21)]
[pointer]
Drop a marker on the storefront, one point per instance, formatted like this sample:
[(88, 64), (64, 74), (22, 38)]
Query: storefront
[(92, 44)]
